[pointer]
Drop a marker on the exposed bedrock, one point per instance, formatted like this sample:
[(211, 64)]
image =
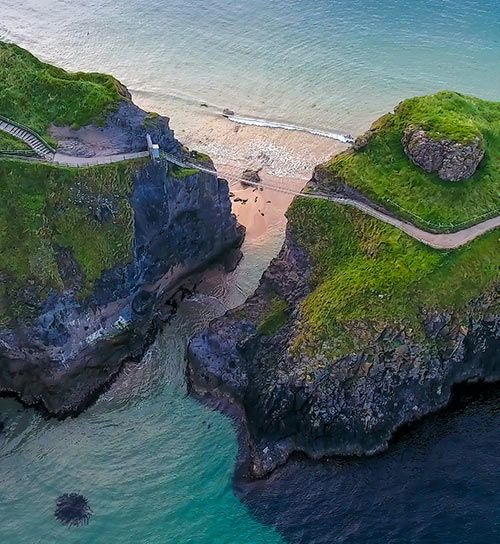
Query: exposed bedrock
[(348, 406), (124, 131), (451, 160), (60, 360)]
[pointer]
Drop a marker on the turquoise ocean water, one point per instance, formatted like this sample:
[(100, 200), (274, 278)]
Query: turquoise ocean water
[(156, 466), (328, 64)]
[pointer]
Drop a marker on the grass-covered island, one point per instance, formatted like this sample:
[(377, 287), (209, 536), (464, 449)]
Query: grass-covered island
[(357, 329), (378, 166), (87, 255)]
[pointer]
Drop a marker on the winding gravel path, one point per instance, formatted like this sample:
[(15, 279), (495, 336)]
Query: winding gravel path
[(451, 240), (68, 160), (438, 241)]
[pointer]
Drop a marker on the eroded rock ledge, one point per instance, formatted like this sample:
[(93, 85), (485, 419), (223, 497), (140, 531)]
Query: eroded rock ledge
[(60, 359), (349, 406)]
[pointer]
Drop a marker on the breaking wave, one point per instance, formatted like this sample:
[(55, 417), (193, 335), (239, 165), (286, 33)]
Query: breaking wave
[(346, 138)]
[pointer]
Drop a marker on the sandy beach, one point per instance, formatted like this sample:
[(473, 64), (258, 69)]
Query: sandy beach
[(284, 157), (279, 152)]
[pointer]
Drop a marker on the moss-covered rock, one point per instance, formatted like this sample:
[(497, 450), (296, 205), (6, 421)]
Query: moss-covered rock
[(448, 136), (452, 161)]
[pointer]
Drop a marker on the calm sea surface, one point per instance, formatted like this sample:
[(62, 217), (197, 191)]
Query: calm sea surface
[(156, 466), (330, 64)]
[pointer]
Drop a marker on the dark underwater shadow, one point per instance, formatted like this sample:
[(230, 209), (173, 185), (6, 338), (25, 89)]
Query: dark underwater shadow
[(439, 482)]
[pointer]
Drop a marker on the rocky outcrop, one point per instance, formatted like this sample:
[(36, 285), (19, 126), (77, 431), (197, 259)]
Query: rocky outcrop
[(124, 131), (451, 160), (251, 175), (60, 360), (294, 402)]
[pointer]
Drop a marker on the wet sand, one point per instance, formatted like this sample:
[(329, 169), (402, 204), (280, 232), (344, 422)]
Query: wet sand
[(282, 153), (285, 158)]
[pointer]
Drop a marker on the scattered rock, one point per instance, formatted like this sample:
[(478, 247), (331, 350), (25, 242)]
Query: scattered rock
[(75, 148), (451, 160), (251, 175)]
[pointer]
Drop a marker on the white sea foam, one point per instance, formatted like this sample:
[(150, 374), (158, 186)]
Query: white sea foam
[(346, 138)]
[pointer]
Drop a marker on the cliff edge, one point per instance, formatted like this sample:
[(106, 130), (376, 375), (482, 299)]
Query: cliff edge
[(356, 329)]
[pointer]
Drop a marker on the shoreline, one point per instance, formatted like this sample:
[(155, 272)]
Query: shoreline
[(285, 153)]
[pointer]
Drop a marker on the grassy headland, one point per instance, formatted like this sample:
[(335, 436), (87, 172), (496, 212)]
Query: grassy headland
[(368, 275), (37, 95), (45, 208), (383, 172)]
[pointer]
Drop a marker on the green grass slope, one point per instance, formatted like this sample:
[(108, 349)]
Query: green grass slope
[(382, 171), (368, 275), (11, 143), (45, 208), (36, 94)]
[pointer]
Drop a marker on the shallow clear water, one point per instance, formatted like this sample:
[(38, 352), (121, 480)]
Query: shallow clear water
[(331, 64), (156, 466)]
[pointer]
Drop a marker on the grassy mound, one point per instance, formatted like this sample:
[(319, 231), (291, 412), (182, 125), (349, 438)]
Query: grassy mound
[(369, 275), (382, 171), (44, 209), (37, 94)]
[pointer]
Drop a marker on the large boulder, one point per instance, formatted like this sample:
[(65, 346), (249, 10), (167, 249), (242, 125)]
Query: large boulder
[(451, 160)]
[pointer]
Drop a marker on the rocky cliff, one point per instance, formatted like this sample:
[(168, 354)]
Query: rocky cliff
[(104, 249), (319, 404), (357, 329)]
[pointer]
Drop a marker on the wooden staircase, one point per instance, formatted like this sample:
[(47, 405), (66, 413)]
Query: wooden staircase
[(29, 137)]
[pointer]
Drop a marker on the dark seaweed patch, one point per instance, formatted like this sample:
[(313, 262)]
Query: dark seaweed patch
[(73, 509)]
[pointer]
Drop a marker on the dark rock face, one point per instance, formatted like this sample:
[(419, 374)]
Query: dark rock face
[(251, 175), (350, 406), (75, 347), (452, 161), (124, 132)]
